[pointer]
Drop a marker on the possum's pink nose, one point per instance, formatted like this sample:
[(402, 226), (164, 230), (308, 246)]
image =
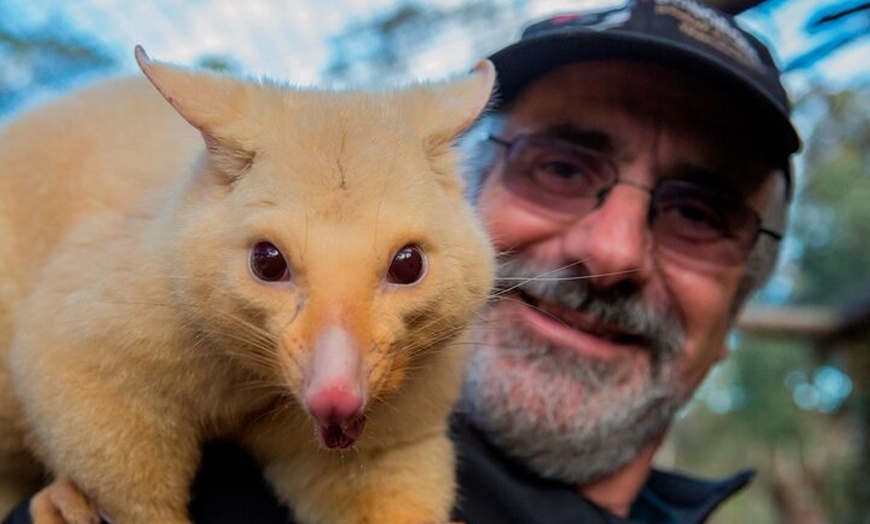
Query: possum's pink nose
[(334, 394), (333, 405), (339, 417)]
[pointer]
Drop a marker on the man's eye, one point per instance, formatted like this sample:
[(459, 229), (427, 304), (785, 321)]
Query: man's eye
[(559, 169), (562, 175), (695, 220)]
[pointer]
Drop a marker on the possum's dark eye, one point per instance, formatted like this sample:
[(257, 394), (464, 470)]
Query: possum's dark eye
[(267, 263), (408, 265)]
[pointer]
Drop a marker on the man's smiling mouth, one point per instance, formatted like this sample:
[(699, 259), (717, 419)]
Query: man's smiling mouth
[(579, 320)]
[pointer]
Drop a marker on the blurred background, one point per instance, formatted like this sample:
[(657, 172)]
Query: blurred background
[(792, 401)]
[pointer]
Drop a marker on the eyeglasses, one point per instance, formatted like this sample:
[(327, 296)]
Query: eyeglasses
[(561, 177)]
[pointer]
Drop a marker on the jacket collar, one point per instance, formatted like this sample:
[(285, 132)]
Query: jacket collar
[(493, 488)]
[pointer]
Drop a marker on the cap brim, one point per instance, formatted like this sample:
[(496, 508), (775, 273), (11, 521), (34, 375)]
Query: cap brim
[(523, 62)]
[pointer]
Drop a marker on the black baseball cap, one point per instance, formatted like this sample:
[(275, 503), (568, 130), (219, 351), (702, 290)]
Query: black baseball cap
[(680, 33)]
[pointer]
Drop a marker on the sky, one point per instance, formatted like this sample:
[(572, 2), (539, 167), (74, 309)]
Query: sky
[(782, 24), (288, 38), (281, 39)]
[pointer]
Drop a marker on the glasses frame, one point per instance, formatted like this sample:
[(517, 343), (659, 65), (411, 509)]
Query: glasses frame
[(601, 194)]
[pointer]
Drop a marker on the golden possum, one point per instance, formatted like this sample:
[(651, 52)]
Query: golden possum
[(291, 268)]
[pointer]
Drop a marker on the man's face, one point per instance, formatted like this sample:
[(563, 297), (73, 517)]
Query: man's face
[(604, 331)]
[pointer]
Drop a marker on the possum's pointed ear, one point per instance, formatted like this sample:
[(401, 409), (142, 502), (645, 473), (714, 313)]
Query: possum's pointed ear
[(472, 94), (208, 101), (459, 103), (211, 103)]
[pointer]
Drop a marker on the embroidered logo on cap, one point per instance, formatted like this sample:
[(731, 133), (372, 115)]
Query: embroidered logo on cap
[(598, 20), (709, 27)]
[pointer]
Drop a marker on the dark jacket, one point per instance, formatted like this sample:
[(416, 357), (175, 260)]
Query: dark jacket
[(229, 489), (496, 490)]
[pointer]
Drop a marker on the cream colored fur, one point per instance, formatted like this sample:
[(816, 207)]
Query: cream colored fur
[(131, 328)]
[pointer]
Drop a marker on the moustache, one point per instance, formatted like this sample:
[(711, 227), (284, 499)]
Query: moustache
[(623, 308)]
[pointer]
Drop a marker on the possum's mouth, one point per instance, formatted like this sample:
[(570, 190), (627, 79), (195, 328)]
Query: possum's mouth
[(341, 436)]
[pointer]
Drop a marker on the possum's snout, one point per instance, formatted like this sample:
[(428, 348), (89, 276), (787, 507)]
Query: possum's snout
[(335, 393)]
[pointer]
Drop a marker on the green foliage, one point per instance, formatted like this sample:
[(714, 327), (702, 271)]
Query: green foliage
[(832, 216), (219, 63), (745, 417)]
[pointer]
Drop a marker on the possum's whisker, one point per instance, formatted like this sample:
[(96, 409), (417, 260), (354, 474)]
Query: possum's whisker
[(247, 340), (569, 278), (515, 283), (520, 281)]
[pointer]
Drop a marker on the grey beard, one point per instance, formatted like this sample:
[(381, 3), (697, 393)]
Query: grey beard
[(568, 416)]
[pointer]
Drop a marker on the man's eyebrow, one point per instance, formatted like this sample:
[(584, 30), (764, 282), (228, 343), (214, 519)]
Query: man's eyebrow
[(709, 177), (597, 140)]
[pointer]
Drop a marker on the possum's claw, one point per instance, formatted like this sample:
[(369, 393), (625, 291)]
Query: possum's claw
[(61, 502)]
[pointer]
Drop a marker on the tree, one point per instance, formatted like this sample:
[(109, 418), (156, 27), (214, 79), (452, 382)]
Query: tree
[(832, 217), (393, 45)]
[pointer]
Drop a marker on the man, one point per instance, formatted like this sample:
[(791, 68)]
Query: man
[(634, 175), (636, 179)]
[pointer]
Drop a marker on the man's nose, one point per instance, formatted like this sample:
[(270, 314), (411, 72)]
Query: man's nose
[(613, 241)]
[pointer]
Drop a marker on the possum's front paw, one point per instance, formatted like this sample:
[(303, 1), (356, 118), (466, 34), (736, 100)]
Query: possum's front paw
[(61, 502)]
